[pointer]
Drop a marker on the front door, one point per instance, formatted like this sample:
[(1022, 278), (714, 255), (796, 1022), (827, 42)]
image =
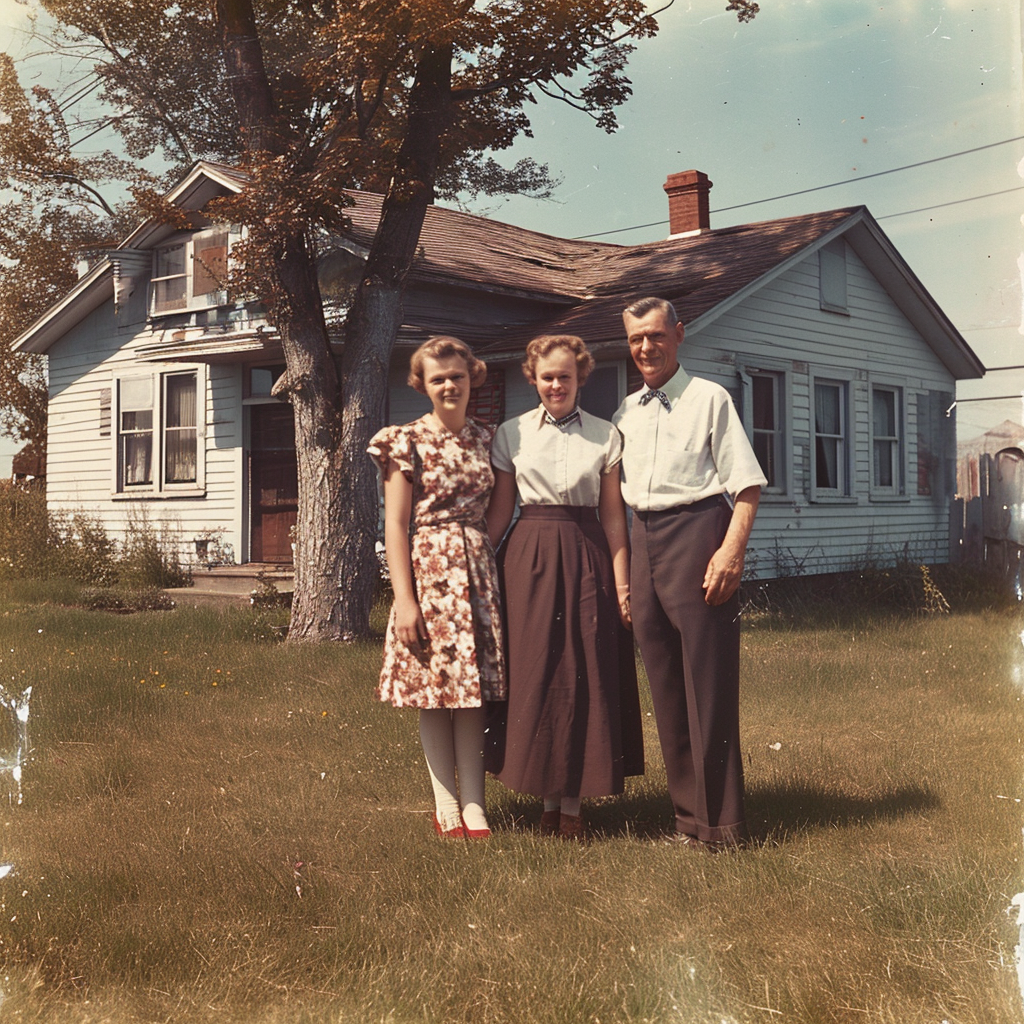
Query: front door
[(273, 482)]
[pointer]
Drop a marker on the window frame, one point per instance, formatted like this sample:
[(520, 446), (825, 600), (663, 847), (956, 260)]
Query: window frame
[(898, 457), (158, 486), (782, 379), (844, 494), (192, 243)]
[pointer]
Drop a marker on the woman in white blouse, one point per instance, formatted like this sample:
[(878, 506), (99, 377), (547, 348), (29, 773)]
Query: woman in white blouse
[(573, 725)]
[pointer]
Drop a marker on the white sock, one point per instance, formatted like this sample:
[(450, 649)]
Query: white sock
[(571, 806), (436, 738), (468, 726)]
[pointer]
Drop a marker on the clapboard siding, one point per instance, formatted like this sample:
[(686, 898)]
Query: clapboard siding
[(781, 328), (80, 462)]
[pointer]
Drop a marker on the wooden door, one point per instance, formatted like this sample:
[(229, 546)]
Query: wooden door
[(273, 483)]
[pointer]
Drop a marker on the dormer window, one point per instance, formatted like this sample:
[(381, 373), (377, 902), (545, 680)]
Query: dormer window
[(191, 272)]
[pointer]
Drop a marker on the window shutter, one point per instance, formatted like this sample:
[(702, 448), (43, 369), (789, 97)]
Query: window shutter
[(105, 396), (210, 264)]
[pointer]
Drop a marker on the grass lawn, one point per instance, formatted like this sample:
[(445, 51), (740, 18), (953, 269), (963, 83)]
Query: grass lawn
[(221, 828)]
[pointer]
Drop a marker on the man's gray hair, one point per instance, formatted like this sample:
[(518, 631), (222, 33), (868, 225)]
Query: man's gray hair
[(644, 306)]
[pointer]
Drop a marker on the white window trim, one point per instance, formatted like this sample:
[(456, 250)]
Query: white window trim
[(784, 455), (846, 494), (159, 488), (208, 300), (897, 493)]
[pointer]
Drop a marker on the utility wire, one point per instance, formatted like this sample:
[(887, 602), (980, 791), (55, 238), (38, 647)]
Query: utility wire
[(877, 174), (952, 202), (835, 184)]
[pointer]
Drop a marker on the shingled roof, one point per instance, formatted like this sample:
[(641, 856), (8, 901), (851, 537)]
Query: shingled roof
[(585, 284), (580, 287), (474, 252)]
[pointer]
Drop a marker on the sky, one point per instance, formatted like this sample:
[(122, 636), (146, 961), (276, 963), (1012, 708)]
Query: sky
[(814, 92), (810, 93)]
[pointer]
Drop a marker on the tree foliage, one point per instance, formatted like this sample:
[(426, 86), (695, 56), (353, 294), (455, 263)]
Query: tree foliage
[(409, 98)]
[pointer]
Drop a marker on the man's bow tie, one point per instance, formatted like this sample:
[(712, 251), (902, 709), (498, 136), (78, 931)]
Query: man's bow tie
[(659, 395)]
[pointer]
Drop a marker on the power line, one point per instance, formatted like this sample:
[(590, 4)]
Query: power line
[(835, 184), (877, 174), (952, 202)]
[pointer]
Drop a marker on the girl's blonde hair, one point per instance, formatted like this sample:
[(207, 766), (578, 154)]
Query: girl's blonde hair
[(547, 343), (441, 347)]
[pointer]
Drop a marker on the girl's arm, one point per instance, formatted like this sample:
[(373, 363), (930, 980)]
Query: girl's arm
[(612, 511), (409, 624), (502, 505)]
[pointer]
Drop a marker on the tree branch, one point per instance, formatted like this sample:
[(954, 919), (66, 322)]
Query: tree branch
[(147, 92)]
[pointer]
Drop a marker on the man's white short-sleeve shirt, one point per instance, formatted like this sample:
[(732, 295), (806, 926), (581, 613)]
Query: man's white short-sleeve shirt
[(679, 456)]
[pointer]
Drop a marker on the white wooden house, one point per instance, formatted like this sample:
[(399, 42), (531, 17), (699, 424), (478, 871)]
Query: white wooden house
[(843, 366)]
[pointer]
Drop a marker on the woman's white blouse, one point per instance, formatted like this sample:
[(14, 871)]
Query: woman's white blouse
[(557, 465)]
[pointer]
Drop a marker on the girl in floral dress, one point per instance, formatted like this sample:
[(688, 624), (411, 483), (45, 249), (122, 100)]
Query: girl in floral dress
[(443, 648)]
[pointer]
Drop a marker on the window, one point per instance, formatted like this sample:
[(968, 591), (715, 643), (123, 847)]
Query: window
[(886, 434), (831, 438), (180, 428), (260, 380), (832, 276), (766, 433), (158, 432), (135, 432), (487, 402), (191, 273)]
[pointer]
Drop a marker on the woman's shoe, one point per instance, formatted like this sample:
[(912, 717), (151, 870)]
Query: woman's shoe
[(549, 822), (459, 832), (475, 833), (570, 826)]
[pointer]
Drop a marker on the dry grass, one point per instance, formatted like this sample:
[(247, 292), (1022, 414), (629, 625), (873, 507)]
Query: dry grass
[(223, 830)]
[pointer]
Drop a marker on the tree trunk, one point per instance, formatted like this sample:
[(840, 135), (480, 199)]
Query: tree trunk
[(372, 327), (311, 382), (311, 378), (338, 518)]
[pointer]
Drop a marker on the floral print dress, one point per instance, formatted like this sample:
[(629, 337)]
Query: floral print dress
[(453, 569)]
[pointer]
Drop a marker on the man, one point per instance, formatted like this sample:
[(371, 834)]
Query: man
[(684, 451)]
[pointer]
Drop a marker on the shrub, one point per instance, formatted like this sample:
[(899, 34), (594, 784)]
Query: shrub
[(81, 549), (904, 589), (24, 530), (148, 559), (36, 544)]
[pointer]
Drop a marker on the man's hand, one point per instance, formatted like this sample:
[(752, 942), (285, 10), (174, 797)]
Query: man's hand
[(725, 569), (722, 579)]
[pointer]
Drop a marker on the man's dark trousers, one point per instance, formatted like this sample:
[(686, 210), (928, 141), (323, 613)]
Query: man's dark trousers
[(691, 653)]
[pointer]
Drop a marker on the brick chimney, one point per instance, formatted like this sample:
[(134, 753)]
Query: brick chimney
[(688, 211)]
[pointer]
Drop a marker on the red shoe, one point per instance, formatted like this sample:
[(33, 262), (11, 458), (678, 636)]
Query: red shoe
[(571, 827), (549, 822), (475, 833), (459, 832)]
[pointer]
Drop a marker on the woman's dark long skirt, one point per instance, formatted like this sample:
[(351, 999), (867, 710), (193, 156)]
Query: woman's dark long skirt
[(572, 723)]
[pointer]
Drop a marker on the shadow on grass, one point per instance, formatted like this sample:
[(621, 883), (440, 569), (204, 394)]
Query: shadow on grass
[(777, 812), (774, 813)]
